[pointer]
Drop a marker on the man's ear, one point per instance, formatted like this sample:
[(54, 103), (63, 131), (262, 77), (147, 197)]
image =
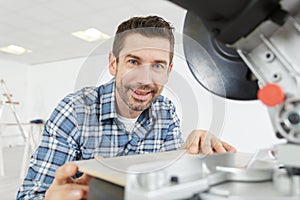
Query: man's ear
[(169, 71), (170, 68), (112, 64)]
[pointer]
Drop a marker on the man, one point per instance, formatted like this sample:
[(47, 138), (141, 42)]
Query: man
[(123, 117)]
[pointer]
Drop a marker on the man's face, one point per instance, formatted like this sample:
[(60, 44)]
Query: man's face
[(141, 71)]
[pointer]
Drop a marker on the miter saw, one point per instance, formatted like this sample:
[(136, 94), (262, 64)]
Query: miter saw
[(255, 45)]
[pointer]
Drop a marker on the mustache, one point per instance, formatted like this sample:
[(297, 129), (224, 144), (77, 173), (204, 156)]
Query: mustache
[(142, 87)]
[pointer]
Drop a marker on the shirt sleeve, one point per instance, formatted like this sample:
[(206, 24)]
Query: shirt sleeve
[(57, 147), (173, 140)]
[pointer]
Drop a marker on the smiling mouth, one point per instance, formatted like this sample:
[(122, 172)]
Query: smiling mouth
[(141, 94)]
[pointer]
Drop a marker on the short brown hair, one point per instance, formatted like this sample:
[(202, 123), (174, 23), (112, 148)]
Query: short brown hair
[(150, 26)]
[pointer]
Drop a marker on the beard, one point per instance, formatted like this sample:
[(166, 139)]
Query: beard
[(128, 91)]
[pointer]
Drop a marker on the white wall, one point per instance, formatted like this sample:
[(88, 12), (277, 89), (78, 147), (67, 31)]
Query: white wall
[(49, 83)]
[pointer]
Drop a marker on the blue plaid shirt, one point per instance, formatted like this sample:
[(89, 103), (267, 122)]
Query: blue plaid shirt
[(85, 125)]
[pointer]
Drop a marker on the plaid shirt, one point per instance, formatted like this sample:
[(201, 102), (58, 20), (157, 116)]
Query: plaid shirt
[(85, 125)]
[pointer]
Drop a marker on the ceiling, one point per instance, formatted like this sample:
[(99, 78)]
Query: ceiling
[(45, 26)]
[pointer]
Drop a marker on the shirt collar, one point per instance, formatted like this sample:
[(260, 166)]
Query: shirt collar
[(107, 101)]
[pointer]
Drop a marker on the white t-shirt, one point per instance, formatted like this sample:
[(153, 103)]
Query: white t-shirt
[(128, 122)]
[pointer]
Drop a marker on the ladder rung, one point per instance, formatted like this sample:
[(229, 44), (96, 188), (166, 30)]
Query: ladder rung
[(10, 95), (9, 102)]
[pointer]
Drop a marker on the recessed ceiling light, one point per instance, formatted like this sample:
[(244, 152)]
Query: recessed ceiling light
[(14, 49), (91, 35)]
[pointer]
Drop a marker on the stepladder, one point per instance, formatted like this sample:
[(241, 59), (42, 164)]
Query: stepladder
[(7, 101)]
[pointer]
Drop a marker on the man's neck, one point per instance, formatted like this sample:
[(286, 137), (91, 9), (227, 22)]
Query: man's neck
[(123, 109), (128, 113)]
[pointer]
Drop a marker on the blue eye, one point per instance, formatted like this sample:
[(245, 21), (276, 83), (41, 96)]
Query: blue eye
[(133, 62), (158, 66)]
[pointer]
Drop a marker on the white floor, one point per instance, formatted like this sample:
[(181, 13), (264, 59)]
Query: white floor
[(9, 183)]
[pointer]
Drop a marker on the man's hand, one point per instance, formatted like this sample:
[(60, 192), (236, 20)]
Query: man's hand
[(65, 187), (207, 143)]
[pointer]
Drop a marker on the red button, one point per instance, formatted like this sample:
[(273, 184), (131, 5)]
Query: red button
[(271, 95)]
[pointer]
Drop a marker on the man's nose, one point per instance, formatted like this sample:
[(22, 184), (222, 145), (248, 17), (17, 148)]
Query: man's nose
[(145, 75)]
